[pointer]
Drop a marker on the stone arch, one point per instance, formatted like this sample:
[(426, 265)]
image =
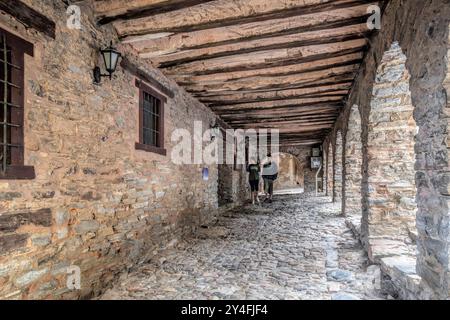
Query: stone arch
[(353, 164), (391, 175), (291, 173), (338, 168)]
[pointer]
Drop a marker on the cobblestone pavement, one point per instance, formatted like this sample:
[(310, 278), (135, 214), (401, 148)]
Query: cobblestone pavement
[(295, 248)]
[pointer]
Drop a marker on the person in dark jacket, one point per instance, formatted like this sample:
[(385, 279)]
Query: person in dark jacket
[(254, 169)]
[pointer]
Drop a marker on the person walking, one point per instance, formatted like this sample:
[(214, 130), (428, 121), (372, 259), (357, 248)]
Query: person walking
[(254, 169), (270, 174)]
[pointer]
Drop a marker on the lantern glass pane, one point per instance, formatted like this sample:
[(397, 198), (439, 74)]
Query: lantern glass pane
[(114, 59), (107, 58)]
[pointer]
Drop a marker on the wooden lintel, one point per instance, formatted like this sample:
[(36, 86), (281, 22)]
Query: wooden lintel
[(139, 73), (29, 17)]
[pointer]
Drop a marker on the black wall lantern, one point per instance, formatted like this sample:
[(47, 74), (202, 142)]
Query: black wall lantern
[(215, 131), (111, 58)]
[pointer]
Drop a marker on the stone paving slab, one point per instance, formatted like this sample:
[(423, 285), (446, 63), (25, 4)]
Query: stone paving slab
[(295, 248)]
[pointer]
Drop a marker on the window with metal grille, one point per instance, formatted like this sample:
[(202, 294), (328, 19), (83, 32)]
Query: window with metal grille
[(12, 52), (151, 123), (151, 120)]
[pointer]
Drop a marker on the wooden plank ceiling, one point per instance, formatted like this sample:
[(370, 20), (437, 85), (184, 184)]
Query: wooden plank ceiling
[(285, 64)]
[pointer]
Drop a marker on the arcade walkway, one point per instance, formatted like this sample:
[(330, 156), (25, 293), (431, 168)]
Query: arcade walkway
[(294, 248)]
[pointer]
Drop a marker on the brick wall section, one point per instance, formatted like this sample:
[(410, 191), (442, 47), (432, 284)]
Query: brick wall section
[(421, 28), (96, 202), (353, 163)]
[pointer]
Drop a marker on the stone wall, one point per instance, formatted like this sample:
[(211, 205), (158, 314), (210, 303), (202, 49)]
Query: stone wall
[(447, 111), (390, 146), (290, 173), (96, 202), (421, 29), (330, 170), (233, 187), (325, 169), (338, 167), (310, 179), (353, 163), (303, 154)]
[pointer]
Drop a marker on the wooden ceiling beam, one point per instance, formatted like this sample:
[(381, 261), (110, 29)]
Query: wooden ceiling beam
[(301, 143), (280, 122), (311, 110), (167, 43), (346, 80), (273, 104), (319, 134), (306, 109), (288, 63), (218, 103), (334, 75), (303, 119), (112, 10), (254, 73), (237, 98), (288, 128), (222, 13), (304, 129), (325, 36), (279, 117), (318, 65), (269, 58), (29, 17), (301, 134)]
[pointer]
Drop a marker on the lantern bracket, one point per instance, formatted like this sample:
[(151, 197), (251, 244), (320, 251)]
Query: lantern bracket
[(110, 63), (98, 75)]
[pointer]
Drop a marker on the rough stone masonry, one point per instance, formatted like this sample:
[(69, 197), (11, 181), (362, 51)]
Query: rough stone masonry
[(101, 205), (96, 202), (401, 93)]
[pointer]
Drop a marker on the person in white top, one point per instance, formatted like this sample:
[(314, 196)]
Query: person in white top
[(270, 174)]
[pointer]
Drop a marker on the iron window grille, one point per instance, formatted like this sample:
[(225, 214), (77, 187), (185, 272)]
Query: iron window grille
[(151, 120), (12, 51)]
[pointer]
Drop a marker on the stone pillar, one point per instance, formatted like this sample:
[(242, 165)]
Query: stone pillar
[(353, 163), (329, 168), (391, 194), (337, 191)]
